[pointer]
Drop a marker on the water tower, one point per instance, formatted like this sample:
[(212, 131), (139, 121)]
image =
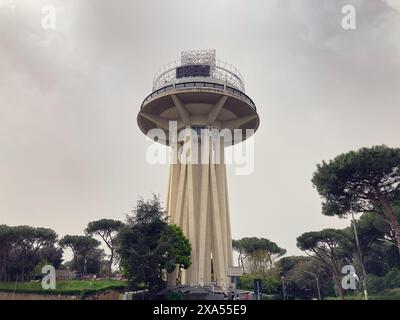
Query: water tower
[(197, 97)]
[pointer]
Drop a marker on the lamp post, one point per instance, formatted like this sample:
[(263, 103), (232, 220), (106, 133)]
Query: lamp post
[(283, 287), (360, 257), (316, 279)]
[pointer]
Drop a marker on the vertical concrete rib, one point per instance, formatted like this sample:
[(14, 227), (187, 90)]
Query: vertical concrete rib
[(191, 225), (221, 200), (204, 206), (218, 253), (228, 221), (180, 195)]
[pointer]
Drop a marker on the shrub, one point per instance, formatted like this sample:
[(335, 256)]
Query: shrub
[(392, 279), (270, 284), (375, 284), (388, 294)]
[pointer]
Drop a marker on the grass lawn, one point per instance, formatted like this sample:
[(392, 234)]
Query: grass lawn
[(65, 286), (388, 294)]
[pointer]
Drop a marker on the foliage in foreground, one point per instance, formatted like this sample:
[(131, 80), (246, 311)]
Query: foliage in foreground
[(149, 247), (270, 284), (65, 287)]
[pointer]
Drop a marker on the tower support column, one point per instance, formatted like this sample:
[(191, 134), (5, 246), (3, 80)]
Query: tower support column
[(197, 202)]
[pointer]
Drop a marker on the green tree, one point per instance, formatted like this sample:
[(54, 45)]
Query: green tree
[(271, 284), (178, 250), (106, 229), (375, 284), (299, 280), (21, 248), (149, 247), (375, 238), (6, 242), (82, 247), (93, 262), (367, 180), (392, 279), (324, 246), (258, 254), (238, 246)]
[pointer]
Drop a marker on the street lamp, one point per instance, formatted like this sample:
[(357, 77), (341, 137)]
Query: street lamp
[(360, 256), (316, 279), (283, 287)]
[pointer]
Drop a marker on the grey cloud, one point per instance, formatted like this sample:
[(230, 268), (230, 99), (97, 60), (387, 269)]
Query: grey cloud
[(70, 150)]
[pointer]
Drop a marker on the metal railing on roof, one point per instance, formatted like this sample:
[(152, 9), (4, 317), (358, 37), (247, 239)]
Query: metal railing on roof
[(200, 84), (222, 71)]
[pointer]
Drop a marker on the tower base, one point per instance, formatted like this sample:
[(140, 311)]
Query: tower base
[(198, 203)]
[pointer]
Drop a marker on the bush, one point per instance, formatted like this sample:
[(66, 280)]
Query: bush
[(80, 288), (388, 294), (148, 246), (270, 284), (375, 284), (392, 279), (246, 282)]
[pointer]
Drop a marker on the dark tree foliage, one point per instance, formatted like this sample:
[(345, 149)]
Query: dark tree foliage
[(271, 284), (94, 261), (377, 244), (379, 253), (82, 248), (106, 229), (367, 180), (149, 247), (325, 246), (22, 248), (299, 280), (259, 254)]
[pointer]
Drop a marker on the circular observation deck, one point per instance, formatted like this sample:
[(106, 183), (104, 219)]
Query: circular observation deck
[(199, 95)]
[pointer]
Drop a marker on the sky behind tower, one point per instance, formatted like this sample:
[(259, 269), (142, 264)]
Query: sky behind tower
[(70, 148)]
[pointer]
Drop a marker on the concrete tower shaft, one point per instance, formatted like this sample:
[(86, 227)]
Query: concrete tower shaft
[(198, 203)]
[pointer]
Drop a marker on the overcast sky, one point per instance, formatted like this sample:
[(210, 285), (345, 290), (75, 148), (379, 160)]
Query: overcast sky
[(70, 148)]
